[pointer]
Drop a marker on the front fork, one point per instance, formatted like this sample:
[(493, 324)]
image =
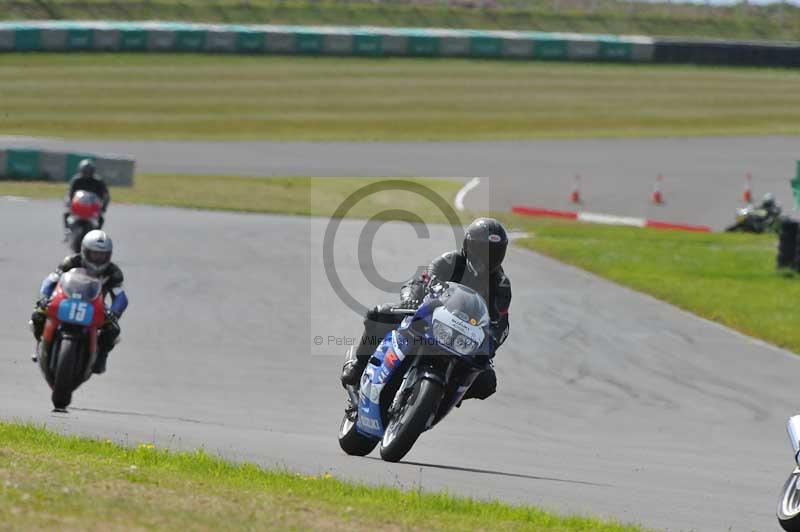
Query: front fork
[(415, 373)]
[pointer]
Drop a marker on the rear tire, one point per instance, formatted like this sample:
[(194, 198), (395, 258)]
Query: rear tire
[(353, 442), (76, 238), (65, 374), (406, 426), (789, 505)]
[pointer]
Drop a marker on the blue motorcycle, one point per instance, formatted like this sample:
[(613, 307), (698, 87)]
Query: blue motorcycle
[(420, 371)]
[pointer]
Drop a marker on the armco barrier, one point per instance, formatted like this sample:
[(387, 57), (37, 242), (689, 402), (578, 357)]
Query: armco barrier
[(60, 166), (79, 36), (68, 36)]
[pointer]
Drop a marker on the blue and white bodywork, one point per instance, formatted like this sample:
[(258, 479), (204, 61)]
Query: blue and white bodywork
[(447, 341)]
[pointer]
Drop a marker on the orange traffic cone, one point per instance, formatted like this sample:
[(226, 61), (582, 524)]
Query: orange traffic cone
[(657, 198), (575, 195), (747, 195)]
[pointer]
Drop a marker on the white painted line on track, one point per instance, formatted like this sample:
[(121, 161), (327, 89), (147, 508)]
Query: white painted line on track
[(610, 219), (18, 199), (471, 184)]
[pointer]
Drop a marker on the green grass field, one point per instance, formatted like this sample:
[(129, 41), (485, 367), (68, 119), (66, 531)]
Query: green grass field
[(286, 195), (204, 97), (53, 482), (728, 278), (741, 21)]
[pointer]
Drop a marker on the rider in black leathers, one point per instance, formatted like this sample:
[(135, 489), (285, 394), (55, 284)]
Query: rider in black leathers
[(88, 180), (478, 266)]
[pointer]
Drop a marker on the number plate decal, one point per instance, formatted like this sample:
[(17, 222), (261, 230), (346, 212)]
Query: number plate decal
[(76, 311)]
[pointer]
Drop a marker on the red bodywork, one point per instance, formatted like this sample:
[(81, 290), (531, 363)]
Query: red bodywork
[(86, 206), (53, 322)]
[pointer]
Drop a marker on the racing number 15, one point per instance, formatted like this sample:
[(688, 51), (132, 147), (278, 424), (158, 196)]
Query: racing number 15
[(77, 311)]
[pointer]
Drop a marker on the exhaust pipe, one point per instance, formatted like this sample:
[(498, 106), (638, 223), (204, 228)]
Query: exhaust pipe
[(793, 428)]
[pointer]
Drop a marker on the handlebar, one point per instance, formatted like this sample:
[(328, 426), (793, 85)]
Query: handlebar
[(403, 311)]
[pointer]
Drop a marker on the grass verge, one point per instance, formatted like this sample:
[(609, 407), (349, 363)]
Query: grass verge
[(728, 278), (304, 196), (740, 21), (54, 482), (300, 98)]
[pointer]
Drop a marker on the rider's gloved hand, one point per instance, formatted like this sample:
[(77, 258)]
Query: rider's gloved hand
[(411, 304)]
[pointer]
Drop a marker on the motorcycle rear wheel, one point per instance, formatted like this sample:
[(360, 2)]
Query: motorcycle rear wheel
[(353, 442), (406, 426), (64, 383), (789, 504), (76, 238)]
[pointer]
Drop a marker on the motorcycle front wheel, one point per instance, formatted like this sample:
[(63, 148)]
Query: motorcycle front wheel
[(411, 421), (789, 504), (64, 382), (734, 228)]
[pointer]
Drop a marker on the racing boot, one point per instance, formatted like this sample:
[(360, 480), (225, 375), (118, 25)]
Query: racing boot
[(36, 325), (107, 339), (351, 372), (100, 364), (357, 358), (354, 367), (377, 323)]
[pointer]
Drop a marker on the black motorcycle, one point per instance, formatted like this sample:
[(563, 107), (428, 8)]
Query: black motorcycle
[(753, 219)]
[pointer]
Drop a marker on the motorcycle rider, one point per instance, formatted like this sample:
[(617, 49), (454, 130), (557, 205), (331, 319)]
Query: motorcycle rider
[(95, 258), (769, 204), (477, 265), (87, 179)]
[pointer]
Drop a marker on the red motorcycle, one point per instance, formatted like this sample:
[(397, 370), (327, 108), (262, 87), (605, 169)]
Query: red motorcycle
[(85, 212), (68, 349)]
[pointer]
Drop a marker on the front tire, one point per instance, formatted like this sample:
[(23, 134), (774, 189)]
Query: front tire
[(406, 426), (65, 374), (735, 228), (353, 442), (789, 504)]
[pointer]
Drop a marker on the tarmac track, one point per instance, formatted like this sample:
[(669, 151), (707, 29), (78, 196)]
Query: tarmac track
[(703, 177), (610, 402)]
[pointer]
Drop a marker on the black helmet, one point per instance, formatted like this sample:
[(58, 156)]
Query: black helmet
[(485, 244), (86, 168)]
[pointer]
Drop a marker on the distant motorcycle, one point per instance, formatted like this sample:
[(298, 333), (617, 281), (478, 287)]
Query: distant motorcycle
[(753, 219), (418, 373), (68, 348), (85, 211)]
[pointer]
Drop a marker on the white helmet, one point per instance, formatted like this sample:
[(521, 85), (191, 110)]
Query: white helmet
[(96, 250)]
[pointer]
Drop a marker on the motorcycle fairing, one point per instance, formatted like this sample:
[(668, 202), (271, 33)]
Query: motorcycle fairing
[(382, 366)]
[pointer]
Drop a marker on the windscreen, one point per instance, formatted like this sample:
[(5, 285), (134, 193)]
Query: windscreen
[(466, 304), (77, 284), (84, 197)]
